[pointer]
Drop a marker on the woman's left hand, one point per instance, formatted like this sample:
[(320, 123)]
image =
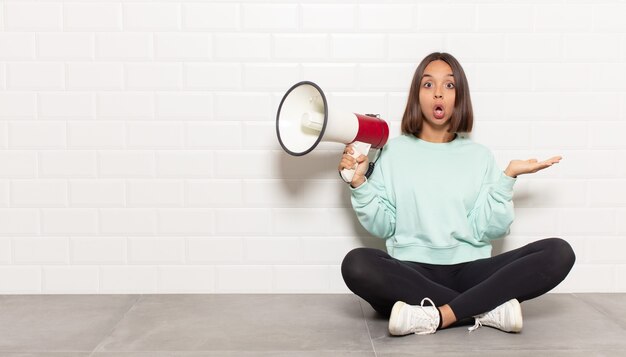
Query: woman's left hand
[(520, 167)]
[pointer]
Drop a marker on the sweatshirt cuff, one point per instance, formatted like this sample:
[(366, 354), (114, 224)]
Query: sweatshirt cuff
[(505, 185), (361, 192)]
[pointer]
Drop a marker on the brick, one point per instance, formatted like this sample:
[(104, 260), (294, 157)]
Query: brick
[(213, 76), (591, 47), (471, 47), (92, 16), (571, 18), (75, 163), (151, 193), (125, 105), (125, 164), (214, 135), (188, 221), (154, 76), (359, 47), (186, 279), (559, 136), (270, 76), (213, 16), (70, 280), (213, 193), (95, 76), (238, 46), (97, 250), (385, 76), (328, 17), (183, 46), (606, 193), (301, 279), (215, 250), (151, 16), (128, 279), (413, 47), (186, 164), (125, 221), (37, 134), (39, 193), (272, 250), (97, 193), (228, 106), (184, 106), (103, 135), (269, 16), (246, 278), (69, 221), (386, 17), (17, 45), (588, 221), (155, 135), (156, 250), (66, 46), (304, 47), (67, 105), (18, 164), (33, 16), (533, 47), (40, 250), (20, 279), (18, 105), (242, 221), (506, 18), (124, 46), (32, 76), (459, 17)]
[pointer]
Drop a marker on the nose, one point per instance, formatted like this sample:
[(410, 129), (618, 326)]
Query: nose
[(438, 93)]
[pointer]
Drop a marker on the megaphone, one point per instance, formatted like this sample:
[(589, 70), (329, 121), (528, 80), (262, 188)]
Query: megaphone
[(304, 120)]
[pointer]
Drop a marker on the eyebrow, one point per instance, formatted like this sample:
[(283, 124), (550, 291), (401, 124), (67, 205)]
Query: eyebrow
[(428, 75)]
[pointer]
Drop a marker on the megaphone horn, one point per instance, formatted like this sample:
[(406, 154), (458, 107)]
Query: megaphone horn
[(303, 121)]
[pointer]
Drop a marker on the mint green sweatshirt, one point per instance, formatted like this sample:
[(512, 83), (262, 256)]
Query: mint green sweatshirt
[(436, 203)]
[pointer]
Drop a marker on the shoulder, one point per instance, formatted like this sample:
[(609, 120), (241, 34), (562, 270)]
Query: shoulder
[(476, 148)]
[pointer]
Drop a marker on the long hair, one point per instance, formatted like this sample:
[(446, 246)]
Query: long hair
[(462, 118)]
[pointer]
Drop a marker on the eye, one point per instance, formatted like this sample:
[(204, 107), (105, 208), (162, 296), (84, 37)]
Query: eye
[(450, 85), (428, 85)]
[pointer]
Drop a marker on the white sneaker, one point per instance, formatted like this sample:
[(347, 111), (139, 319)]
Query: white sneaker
[(506, 317), (420, 320)]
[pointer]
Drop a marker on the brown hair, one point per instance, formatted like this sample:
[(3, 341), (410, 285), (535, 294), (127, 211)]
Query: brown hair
[(463, 117)]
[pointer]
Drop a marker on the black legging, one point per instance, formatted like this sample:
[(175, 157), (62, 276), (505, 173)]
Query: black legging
[(469, 288)]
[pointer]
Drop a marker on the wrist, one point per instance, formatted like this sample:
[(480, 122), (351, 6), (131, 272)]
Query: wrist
[(510, 173), (357, 182)]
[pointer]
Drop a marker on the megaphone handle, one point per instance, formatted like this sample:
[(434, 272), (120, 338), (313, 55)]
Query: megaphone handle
[(359, 149)]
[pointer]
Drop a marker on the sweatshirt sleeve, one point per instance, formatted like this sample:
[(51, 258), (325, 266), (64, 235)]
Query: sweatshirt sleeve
[(372, 205), (493, 214)]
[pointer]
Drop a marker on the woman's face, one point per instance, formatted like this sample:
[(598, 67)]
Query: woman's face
[(437, 93)]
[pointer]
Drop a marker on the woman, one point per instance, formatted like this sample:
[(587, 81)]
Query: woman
[(438, 199)]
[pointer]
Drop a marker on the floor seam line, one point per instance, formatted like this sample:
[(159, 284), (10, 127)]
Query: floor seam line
[(368, 328), (96, 349)]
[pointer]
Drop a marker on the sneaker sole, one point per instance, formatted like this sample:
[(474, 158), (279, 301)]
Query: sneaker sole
[(516, 318), (395, 314)]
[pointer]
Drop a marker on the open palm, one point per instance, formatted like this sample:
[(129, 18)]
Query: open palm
[(519, 167)]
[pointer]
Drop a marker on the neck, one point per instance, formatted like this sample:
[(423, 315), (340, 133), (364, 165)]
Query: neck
[(436, 136)]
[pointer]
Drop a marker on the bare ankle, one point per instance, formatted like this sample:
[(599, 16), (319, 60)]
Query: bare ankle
[(447, 316)]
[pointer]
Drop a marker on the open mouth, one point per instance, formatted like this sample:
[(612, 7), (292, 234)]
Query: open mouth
[(439, 111)]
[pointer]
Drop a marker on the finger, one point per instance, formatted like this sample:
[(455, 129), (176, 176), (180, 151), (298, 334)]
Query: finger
[(361, 158)]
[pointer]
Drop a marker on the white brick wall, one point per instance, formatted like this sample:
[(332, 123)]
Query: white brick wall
[(138, 150)]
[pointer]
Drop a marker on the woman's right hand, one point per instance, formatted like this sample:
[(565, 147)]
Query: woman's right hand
[(349, 162)]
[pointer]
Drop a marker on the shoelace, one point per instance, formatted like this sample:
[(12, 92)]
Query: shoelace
[(416, 317), (477, 323)]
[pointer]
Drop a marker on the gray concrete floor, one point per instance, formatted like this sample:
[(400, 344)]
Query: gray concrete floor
[(289, 325)]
